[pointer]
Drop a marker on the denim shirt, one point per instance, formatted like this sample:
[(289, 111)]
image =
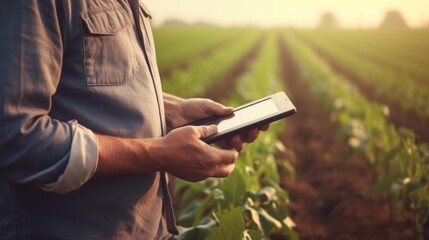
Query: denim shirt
[(69, 68)]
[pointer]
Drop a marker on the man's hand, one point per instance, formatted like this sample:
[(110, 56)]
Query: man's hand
[(182, 154), (180, 112), (237, 141)]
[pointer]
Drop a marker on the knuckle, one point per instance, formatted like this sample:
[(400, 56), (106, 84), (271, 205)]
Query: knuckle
[(193, 130), (227, 172), (205, 130)]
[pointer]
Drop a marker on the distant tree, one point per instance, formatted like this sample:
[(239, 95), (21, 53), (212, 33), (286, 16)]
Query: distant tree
[(174, 23), (204, 24), (393, 20), (328, 20)]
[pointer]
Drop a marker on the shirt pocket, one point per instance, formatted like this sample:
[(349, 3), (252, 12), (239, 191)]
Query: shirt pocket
[(109, 56)]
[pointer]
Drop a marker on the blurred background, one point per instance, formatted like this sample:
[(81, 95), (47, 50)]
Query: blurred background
[(274, 13), (353, 163)]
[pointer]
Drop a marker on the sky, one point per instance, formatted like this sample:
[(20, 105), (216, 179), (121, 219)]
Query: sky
[(302, 13)]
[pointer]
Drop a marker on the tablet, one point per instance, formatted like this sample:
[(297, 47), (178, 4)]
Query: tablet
[(248, 116)]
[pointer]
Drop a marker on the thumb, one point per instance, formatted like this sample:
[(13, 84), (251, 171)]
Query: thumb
[(206, 131)]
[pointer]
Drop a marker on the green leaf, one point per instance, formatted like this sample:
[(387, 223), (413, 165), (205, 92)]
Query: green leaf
[(234, 188), (195, 210), (191, 192), (383, 185), (253, 216), (412, 186), (187, 215), (265, 222), (253, 235), (280, 191), (268, 195), (197, 232), (269, 223), (231, 227)]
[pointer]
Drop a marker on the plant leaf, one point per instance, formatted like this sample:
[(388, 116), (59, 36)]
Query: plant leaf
[(231, 227), (234, 188), (197, 232)]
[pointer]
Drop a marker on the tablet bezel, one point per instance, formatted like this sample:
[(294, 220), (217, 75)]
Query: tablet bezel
[(284, 105)]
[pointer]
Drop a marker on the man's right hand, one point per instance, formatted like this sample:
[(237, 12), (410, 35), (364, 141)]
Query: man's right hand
[(183, 154)]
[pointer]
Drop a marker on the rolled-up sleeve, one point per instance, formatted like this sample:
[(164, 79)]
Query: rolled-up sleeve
[(34, 148), (82, 162)]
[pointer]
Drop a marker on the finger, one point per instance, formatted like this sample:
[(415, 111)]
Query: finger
[(225, 156), (264, 127), (214, 108), (237, 143), (223, 170), (225, 144), (206, 131), (250, 136)]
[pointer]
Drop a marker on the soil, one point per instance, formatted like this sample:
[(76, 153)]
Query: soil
[(328, 195), (398, 116)]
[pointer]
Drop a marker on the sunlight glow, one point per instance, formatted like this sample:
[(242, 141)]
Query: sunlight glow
[(303, 13)]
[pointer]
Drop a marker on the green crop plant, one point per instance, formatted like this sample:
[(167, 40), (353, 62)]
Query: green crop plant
[(401, 164), (403, 51), (204, 71), (179, 43), (249, 204), (391, 82)]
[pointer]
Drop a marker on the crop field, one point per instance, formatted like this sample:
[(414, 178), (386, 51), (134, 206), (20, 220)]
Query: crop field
[(353, 163)]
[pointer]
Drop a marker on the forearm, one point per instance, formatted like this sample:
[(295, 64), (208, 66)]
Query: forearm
[(181, 153), (119, 156)]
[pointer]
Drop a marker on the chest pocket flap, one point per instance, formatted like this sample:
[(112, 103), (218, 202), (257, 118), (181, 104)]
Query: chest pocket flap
[(109, 42), (105, 21)]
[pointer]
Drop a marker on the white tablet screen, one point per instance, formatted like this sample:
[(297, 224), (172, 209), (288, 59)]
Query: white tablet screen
[(248, 114)]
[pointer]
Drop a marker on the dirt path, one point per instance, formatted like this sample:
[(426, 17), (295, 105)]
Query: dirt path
[(328, 199), (398, 116)]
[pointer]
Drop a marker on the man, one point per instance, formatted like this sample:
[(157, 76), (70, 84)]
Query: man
[(84, 148)]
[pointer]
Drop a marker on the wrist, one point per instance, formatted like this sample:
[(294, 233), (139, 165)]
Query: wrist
[(154, 151)]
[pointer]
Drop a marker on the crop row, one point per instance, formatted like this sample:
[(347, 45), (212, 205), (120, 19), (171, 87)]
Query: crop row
[(249, 204), (389, 81), (203, 71), (176, 44), (407, 49), (401, 164)]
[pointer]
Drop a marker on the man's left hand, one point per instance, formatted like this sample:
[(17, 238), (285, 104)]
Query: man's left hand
[(197, 108)]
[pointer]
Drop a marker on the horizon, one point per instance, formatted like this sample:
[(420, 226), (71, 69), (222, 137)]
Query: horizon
[(281, 13)]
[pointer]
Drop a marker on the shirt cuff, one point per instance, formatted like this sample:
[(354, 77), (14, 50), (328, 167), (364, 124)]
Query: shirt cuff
[(82, 162)]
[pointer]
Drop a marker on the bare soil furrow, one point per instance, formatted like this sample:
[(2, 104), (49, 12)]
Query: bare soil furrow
[(328, 199)]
